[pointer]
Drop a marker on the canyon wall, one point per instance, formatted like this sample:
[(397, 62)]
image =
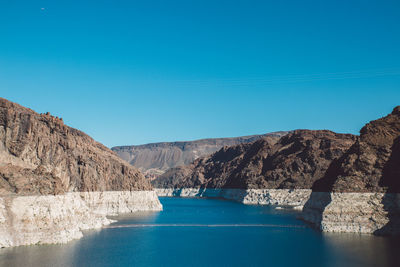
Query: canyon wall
[(295, 161), (354, 212), (360, 193), (154, 159), (39, 154), (355, 181), (51, 219), (56, 181)]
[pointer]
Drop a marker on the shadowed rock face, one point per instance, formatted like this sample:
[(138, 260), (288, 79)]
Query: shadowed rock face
[(41, 155), (360, 190), (296, 161), (154, 159), (372, 164)]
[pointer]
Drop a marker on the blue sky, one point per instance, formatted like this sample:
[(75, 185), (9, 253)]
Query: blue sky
[(132, 72)]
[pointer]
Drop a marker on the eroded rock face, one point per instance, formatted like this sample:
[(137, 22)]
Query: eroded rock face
[(296, 161), (56, 181), (154, 159), (372, 164), (353, 212), (360, 193), (49, 219), (39, 154)]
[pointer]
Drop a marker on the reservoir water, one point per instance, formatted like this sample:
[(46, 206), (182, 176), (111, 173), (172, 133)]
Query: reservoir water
[(210, 232)]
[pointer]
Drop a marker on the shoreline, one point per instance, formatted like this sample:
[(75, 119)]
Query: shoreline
[(295, 198), (55, 219), (363, 213)]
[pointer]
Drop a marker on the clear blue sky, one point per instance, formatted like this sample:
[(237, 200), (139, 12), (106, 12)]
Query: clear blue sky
[(132, 72)]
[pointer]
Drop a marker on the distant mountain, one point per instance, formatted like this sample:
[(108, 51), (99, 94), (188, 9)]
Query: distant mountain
[(322, 160), (155, 158), (296, 161)]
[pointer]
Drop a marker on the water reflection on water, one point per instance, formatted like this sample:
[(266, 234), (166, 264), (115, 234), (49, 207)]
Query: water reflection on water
[(362, 250)]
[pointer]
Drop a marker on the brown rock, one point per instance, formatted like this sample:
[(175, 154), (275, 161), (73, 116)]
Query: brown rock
[(296, 161), (41, 155), (372, 164), (154, 159)]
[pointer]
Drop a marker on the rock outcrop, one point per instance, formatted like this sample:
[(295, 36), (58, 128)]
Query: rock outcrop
[(365, 212), (296, 161), (51, 219), (42, 161), (39, 154), (154, 159), (361, 191), (355, 181)]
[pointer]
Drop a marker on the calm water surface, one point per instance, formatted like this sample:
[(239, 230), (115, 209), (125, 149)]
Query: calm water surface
[(210, 232)]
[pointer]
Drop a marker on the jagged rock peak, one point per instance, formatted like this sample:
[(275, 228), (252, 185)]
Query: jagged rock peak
[(396, 111), (383, 131)]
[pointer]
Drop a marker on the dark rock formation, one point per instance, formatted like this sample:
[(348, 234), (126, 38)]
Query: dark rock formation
[(41, 155), (365, 182), (296, 161), (154, 159), (372, 164)]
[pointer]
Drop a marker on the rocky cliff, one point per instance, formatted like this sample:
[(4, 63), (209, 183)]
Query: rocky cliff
[(362, 187), (373, 163), (154, 159), (296, 161), (355, 181), (41, 156)]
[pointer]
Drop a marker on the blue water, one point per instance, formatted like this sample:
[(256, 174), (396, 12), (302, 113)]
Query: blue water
[(225, 234)]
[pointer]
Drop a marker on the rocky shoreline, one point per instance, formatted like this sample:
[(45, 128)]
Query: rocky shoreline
[(51, 219), (281, 197), (364, 213), (369, 213), (354, 179), (56, 181)]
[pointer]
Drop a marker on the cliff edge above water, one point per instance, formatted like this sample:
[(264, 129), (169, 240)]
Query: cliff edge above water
[(56, 181)]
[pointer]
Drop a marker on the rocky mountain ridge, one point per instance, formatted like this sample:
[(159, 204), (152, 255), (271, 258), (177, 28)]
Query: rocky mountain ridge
[(155, 158), (296, 161), (56, 181), (321, 159), (39, 154), (355, 180)]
